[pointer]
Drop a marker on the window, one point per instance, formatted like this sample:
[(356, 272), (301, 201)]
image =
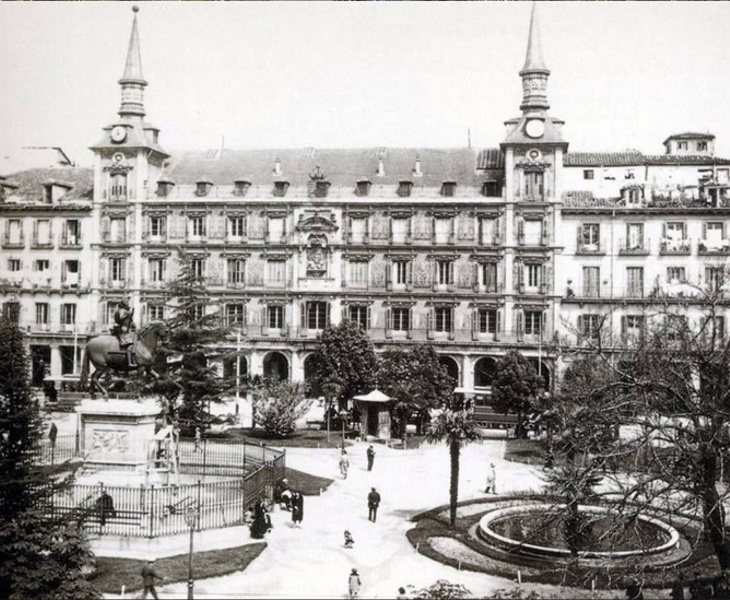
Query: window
[(533, 322), (359, 315), (719, 331), (14, 234), (156, 312), (714, 234), (359, 273), (164, 187), (635, 282), (118, 186), (588, 173), (14, 264), (401, 317), (117, 268), (400, 272), (675, 275), (533, 232), (590, 327), (487, 320), (487, 231), (277, 271), (404, 188), (701, 146), (630, 174), (399, 229), (632, 196), (237, 226), (111, 308), (591, 282), (634, 236), (674, 231), (320, 189), (317, 316), (590, 236), (491, 189), (444, 272), (235, 271), (533, 275), (443, 230), (41, 313), (41, 265), (362, 188), (488, 272), (198, 312), (240, 187), (358, 229), (714, 277), (275, 315), (70, 273), (42, 232), (72, 232), (48, 193), (276, 229), (632, 327), (157, 269), (202, 188), (280, 188), (197, 226), (118, 230), (682, 145), (448, 188), (11, 311), (234, 314), (157, 227), (534, 185), (443, 318), (68, 314), (197, 265)]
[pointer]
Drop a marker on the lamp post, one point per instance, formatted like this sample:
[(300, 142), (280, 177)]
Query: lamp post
[(190, 516)]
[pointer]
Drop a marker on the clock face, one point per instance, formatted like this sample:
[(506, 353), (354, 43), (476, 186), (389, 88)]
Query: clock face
[(119, 134), (535, 128)]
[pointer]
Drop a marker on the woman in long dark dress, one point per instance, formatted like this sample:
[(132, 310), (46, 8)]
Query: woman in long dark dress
[(297, 508), (259, 526)]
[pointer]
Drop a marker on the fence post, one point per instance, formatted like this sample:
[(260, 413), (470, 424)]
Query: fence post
[(199, 506), (151, 504), (205, 454), (102, 516)]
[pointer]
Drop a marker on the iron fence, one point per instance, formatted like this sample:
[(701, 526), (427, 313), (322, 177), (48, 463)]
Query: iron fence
[(63, 448)]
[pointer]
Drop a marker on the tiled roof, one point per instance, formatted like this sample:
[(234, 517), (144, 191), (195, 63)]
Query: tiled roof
[(30, 182), (342, 167), (690, 135), (688, 159), (603, 159)]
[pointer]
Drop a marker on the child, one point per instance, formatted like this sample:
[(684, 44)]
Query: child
[(349, 542)]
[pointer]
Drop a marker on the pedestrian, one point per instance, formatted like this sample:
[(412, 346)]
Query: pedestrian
[(373, 503), (354, 583), (197, 439), (344, 464), (297, 508), (52, 434), (371, 457), (633, 590), (677, 588), (148, 579), (349, 540), (491, 480), (104, 507), (260, 525)]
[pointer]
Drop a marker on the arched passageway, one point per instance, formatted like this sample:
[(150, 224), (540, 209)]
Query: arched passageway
[(484, 371), (452, 368), (276, 366)]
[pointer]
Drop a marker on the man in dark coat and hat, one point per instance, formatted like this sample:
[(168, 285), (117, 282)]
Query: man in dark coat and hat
[(123, 329)]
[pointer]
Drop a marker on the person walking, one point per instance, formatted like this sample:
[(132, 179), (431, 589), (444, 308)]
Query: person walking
[(491, 480), (371, 457), (354, 583), (53, 434), (148, 579), (344, 464), (349, 540), (196, 441), (297, 508), (373, 503)]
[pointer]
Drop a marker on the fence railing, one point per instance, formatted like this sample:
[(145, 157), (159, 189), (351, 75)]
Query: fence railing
[(62, 449)]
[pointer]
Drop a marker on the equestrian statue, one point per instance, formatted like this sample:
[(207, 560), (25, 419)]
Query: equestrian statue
[(123, 350)]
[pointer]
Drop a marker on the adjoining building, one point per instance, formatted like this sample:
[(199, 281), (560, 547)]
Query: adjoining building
[(479, 251)]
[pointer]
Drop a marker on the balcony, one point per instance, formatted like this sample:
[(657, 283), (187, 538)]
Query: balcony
[(634, 247), (69, 241), (41, 244), (589, 250), (71, 281), (675, 247), (714, 248)]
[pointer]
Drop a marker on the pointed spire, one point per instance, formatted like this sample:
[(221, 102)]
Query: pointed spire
[(133, 66), (132, 82), (534, 60)]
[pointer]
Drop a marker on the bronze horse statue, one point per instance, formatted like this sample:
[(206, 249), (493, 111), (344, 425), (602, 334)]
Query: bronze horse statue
[(105, 353)]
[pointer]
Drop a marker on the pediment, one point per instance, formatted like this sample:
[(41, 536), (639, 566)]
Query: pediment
[(316, 223)]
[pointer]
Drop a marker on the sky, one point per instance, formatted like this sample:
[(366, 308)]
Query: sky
[(347, 74)]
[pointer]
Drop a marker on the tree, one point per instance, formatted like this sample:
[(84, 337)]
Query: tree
[(277, 405), (454, 425), (516, 388), (190, 381), (42, 554), (416, 379), (345, 361)]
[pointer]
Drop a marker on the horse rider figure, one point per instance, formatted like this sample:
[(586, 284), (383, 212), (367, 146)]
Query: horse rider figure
[(124, 331)]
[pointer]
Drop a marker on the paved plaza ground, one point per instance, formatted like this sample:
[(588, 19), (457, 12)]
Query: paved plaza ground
[(311, 562)]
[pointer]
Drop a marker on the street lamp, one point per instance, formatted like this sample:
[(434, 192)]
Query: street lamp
[(190, 516)]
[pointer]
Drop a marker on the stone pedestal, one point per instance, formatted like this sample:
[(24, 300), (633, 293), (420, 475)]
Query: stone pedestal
[(116, 433)]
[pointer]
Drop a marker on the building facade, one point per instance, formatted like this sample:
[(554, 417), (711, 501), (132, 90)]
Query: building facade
[(521, 246)]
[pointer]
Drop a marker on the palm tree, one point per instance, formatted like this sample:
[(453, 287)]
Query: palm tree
[(456, 427)]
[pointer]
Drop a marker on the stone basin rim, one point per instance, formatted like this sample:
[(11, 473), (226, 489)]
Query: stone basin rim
[(488, 534)]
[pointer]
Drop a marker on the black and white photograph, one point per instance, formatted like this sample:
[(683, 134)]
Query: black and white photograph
[(415, 300)]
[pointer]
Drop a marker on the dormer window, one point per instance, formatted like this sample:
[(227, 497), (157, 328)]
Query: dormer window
[(53, 191), (202, 187), (448, 188), (320, 189), (241, 186), (633, 195), (491, 189), (362, 188), (404, 188), (701, 146), (681, 145), (280, 188), (164, 187)]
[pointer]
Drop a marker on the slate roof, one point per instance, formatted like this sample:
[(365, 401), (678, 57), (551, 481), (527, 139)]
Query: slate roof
[(687, 159), (603, 159), (79, 180), (342, 167)]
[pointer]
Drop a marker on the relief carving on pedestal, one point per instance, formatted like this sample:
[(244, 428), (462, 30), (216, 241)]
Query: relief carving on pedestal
[(109, 442)]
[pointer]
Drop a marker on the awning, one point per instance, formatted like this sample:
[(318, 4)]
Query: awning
[(374, 396)]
